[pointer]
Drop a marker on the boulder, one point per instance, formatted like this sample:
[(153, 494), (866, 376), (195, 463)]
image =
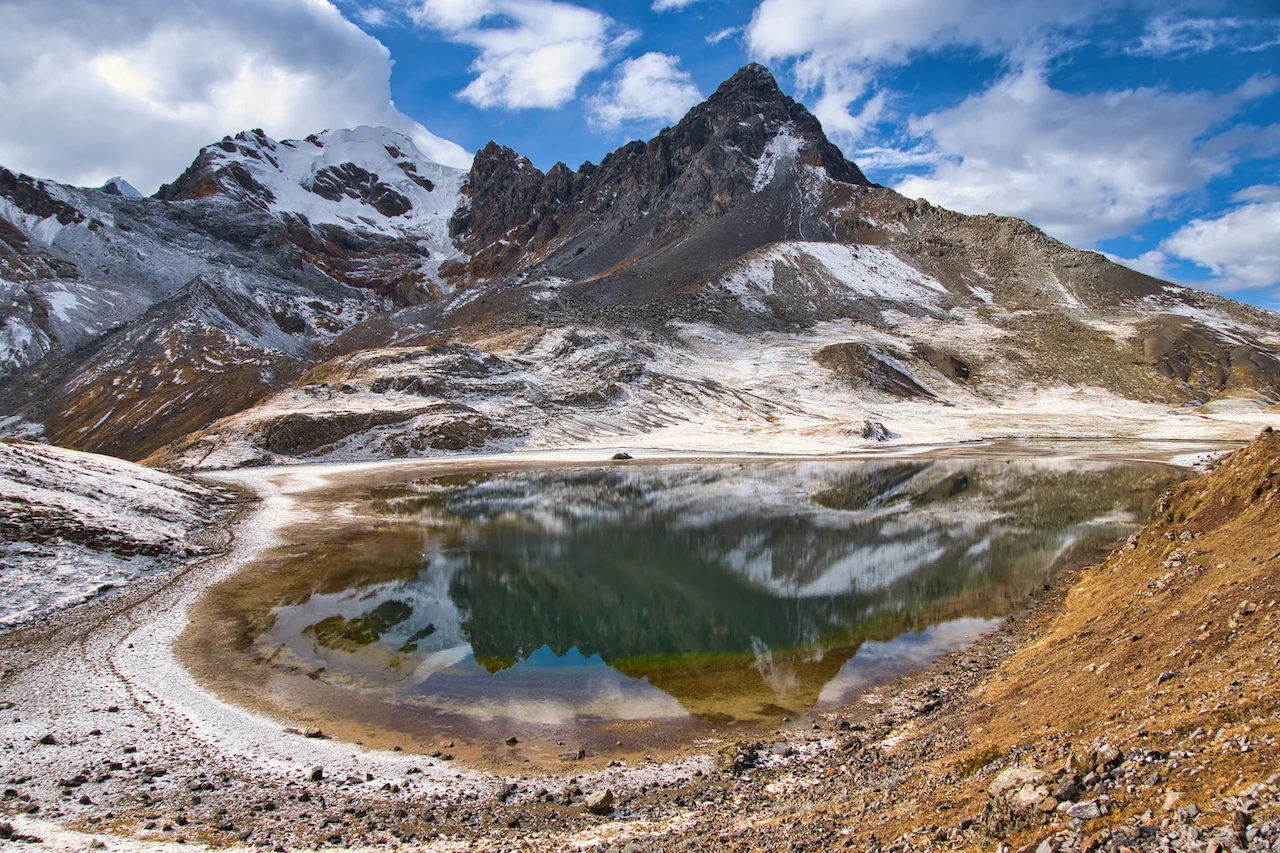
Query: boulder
[(1013, 799), (599, 802), (1090, 810), (875, 431)]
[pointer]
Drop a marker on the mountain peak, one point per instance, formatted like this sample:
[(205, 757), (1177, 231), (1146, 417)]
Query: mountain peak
[(371, 178), (119, 186), (752, 96), (751, 78), (751, 90), (747, 138)]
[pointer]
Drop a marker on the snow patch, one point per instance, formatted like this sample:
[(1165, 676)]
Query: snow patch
[(782, 147), (77, 525), (868, 272)]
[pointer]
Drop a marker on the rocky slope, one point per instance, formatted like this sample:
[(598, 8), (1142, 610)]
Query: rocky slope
[(732, 283), (131, 321), (74, 527)]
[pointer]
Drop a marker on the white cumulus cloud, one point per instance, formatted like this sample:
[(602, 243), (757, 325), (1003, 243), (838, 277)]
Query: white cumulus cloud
[(1084, 167), (837, 44), (651, 87), (532, 53), (668, 5), (136, 87), (890, 31), (1241, 247)]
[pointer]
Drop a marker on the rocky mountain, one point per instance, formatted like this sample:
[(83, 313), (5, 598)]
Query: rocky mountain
[(733, 283), (742, 152), (130, 321)]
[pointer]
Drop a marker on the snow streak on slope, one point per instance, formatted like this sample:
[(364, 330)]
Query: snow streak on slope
[(830, 270), (782, 148), (75, 525)]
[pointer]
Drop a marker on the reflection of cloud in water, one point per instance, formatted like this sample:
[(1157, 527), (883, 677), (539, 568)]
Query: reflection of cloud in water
[(876, 662), (542, 689), (861, 569), (426, 595), (760, 569)]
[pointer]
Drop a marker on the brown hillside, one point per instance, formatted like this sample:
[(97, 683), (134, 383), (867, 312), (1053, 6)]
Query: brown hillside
[(1165, 652)]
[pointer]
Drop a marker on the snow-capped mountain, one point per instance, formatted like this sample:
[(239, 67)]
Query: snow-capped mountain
[(365, 178), (734, 282), (195, 308), (119, 186)]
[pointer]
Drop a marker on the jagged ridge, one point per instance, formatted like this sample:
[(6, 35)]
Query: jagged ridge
[(696, 171)]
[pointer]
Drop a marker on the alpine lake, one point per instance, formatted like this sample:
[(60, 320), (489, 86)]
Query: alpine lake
[(571, 612)]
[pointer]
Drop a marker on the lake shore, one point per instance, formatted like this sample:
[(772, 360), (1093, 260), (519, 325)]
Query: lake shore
[(103, 685)]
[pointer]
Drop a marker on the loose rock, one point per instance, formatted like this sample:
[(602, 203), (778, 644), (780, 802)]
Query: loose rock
[(599, 802), (1014, 797)]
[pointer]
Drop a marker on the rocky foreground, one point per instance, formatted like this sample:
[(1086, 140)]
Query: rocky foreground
[(1131, 708)]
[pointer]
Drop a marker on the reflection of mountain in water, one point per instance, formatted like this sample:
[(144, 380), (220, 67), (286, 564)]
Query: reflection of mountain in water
[(669, 576), (733, 585)]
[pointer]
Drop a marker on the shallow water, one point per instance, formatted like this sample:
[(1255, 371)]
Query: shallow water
[(646, 602)]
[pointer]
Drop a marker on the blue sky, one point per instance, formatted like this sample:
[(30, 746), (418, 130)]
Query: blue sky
[(1146, 130)]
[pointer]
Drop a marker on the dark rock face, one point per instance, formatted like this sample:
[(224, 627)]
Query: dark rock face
[(354, 182), (388, 266), (948, 364), (455, 427), (30, 196), (411, 170), (867, 368), (514, 208), (300, 433), (685, 176), (1205, 363), (205, 177)]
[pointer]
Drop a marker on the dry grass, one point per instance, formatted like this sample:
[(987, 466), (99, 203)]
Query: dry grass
[(1152, 648)]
